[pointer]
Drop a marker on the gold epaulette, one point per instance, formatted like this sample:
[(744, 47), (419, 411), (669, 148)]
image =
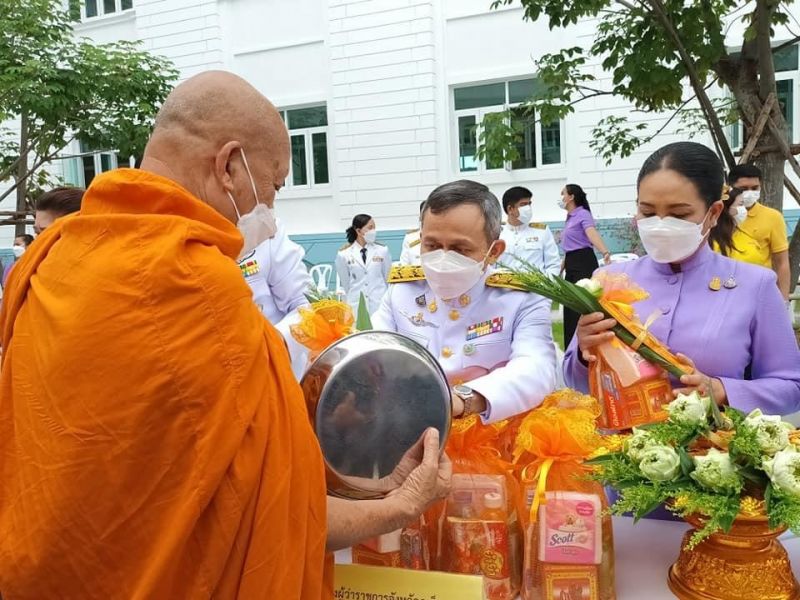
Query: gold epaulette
[(508, 281), (345, 247), (414, 243), (410, 231), (405, 273), (539, 225)]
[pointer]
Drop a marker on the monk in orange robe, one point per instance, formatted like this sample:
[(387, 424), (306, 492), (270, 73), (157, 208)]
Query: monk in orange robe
[(153, 442)]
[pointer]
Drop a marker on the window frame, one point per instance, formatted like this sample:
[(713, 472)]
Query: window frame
[(101, 10), (308, 134), (480, 112), (78, 157)]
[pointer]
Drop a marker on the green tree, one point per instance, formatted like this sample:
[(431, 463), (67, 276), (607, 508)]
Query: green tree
[(653, 50), (59, 88)]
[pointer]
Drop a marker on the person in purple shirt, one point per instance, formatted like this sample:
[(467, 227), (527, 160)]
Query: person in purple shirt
[(578, 239), (726, 316)]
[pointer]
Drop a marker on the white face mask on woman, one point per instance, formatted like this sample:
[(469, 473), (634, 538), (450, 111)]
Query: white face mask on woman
[(18, 250), (370, 236), (741, 215), (670, 240), (259, 224), (451, 274)]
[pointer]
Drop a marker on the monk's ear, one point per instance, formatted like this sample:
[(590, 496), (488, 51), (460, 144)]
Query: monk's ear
[(223, 164)]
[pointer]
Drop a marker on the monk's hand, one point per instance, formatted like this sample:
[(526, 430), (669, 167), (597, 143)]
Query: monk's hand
[(593, 329), (429, 481), (701, 383)]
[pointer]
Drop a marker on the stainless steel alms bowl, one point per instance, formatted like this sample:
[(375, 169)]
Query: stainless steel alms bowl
[(370, 397)]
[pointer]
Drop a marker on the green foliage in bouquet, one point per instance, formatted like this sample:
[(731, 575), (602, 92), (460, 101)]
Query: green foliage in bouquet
[(583, 300), (708, 463)]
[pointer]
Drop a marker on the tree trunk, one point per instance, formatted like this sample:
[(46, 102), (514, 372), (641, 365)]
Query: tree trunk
[(22, 170), (772, 165)]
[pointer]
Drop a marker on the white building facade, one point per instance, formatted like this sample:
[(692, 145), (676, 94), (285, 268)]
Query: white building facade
[(381, 98)]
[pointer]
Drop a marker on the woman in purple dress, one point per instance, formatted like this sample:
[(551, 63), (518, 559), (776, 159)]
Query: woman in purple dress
[(727, 316), (578, 240)]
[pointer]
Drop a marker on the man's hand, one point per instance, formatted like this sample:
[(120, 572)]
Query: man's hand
[(429, 481)]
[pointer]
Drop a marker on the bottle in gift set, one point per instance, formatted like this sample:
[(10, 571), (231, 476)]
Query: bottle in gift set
[(477, 539)]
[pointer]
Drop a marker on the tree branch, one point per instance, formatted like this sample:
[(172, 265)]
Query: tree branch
[(30, 171), (783, 45), (708, 109), (625, 4)]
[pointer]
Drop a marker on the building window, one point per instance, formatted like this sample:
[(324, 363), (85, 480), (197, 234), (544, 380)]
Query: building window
[(540, 144), (786, 81), (89, 9), (308, 132), (86, 164)]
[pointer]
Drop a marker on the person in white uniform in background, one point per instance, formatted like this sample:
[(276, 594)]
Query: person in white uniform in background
[(494, 342), (409, 254), (532, 242), (363, 265), (280, 281)]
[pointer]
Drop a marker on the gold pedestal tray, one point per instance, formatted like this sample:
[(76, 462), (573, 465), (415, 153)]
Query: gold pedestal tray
[(747, 563)]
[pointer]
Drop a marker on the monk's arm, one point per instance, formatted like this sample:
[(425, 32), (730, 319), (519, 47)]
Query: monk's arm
[(353, 521)]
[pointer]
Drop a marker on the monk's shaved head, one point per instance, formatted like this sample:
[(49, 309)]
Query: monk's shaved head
[(201, 131)]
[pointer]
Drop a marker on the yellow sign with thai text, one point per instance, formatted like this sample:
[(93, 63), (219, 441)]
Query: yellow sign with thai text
[(356, 582)]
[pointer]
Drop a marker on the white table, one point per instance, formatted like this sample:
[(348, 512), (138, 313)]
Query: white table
[(644, 553)]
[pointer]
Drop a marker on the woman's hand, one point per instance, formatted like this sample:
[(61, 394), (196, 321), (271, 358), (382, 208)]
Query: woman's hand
[(593, 330), (606, 258), (701, 383)]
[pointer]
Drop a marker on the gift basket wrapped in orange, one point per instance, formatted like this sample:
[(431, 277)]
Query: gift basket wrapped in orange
[(322, 323), (476, 530), (568, 540), (630, 377)]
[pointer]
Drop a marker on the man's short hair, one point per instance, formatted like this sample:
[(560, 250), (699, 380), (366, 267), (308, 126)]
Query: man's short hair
[(61, 200), (27, 239), (739, 171), (464, 191), (514, 195)]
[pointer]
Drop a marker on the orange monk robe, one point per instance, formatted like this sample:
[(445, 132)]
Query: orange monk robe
[(153, 442)]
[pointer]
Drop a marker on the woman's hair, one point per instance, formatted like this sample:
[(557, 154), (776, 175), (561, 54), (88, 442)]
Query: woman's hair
[(576, 191), (722, 234), (700, 165), (359, 222)]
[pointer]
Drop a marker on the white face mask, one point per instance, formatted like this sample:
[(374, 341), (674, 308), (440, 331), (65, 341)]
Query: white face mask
[(449, 273), (259, 224), (670, 240), (18, 250), (370, 236), (741, 215), (526, 214), (562, 204), (750, 197)]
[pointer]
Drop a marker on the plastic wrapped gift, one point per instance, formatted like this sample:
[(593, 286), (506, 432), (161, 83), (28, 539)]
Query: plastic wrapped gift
[(476, 530), (568, 541), (632, 391)]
